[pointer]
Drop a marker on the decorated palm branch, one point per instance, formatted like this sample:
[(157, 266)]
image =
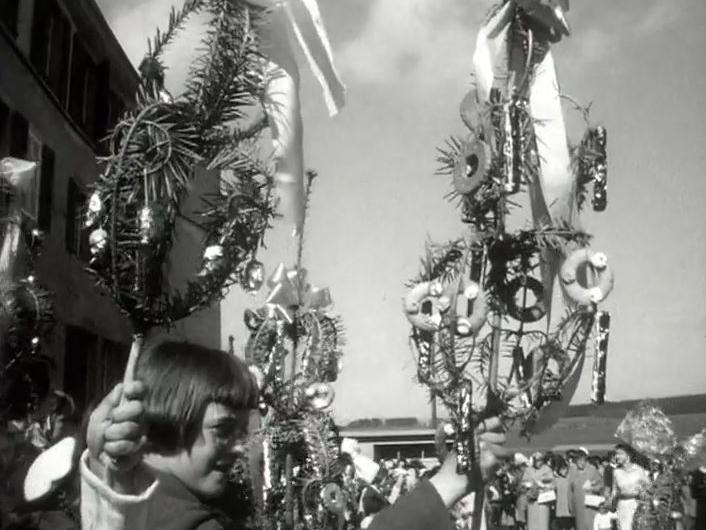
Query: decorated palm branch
[(167, 148), (296, 346), (503, 319), (26, 307)]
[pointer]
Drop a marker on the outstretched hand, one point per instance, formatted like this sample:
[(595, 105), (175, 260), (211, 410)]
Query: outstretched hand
[(451, 485)]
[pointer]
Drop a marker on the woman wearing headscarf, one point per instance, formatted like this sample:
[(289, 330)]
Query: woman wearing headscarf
[(539, 479)]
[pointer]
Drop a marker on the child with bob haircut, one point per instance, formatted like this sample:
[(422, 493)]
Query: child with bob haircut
[(160, 449)]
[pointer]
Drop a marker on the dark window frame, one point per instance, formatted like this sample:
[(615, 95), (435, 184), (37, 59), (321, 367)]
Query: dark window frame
[(9, 15), (46, 188), (76, 232)]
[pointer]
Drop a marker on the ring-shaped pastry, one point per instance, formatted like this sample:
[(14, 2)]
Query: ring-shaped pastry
[(424, 305), (333, 498), (580, 294), (471, 167)]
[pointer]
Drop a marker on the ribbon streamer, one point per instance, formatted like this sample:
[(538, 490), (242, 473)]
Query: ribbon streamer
[(290, 292), (289, 20)]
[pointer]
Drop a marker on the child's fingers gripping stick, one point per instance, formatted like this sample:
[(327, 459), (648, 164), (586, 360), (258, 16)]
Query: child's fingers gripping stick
[(115, 428)]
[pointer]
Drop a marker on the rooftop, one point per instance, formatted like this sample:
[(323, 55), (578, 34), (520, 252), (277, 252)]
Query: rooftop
[(590, 426)]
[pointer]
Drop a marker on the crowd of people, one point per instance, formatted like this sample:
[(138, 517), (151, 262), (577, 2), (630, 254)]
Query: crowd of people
[(574, 490), (160, 451)]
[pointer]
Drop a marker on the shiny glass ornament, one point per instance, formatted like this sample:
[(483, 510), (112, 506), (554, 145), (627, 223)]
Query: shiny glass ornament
[(94, 209), (98, 241), (254, 275)]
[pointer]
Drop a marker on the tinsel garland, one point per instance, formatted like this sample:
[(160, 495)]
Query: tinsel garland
[(295, 348)]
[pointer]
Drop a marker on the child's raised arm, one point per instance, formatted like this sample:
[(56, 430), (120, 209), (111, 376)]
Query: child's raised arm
[(114, 484)]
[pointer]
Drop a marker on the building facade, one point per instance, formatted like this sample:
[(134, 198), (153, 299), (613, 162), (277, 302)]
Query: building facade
[(64, 81)]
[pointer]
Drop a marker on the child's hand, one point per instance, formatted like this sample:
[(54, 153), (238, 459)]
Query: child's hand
[(115, 430)]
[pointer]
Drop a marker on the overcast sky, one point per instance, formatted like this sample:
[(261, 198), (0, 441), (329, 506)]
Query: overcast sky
[(407, 65)]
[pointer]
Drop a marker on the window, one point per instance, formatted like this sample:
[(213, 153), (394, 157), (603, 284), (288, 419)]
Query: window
[(46, 188), (117, 108), (8, 15), (41, 29), (4, 119), (59, 56), (19, 135), (92, 366), (110, 366), (76, 234), (51, 46), (80, 346), (102, 101), (82, 97)]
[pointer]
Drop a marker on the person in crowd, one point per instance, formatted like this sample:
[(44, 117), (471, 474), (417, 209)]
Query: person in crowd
[(521, 492), (604, 519), (501, 494), (549, 459), (400, 485), (609, 467), (597, 463), (688, 504), (539, 480), (571, 458), (698, 492), (655, 469), (563, 508), (192, 404), (371, 502), (585, 479), (628, 480), (413, 474)]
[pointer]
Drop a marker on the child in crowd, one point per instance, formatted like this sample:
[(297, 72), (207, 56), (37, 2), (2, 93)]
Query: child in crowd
[(604, 518), (160, 449)]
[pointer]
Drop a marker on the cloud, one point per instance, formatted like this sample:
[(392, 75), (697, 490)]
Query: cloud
[(657, 17), (419, 41), (604, 26), (135, 22)]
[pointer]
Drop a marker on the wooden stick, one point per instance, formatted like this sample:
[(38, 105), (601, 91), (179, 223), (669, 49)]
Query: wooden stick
[(135, 349), (289, 492)]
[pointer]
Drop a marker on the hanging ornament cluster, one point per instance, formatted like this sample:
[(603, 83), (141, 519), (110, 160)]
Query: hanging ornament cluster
[(593, 167), (165, 147), (295, 347), (600, 359), (490, 295), (651, 433)]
